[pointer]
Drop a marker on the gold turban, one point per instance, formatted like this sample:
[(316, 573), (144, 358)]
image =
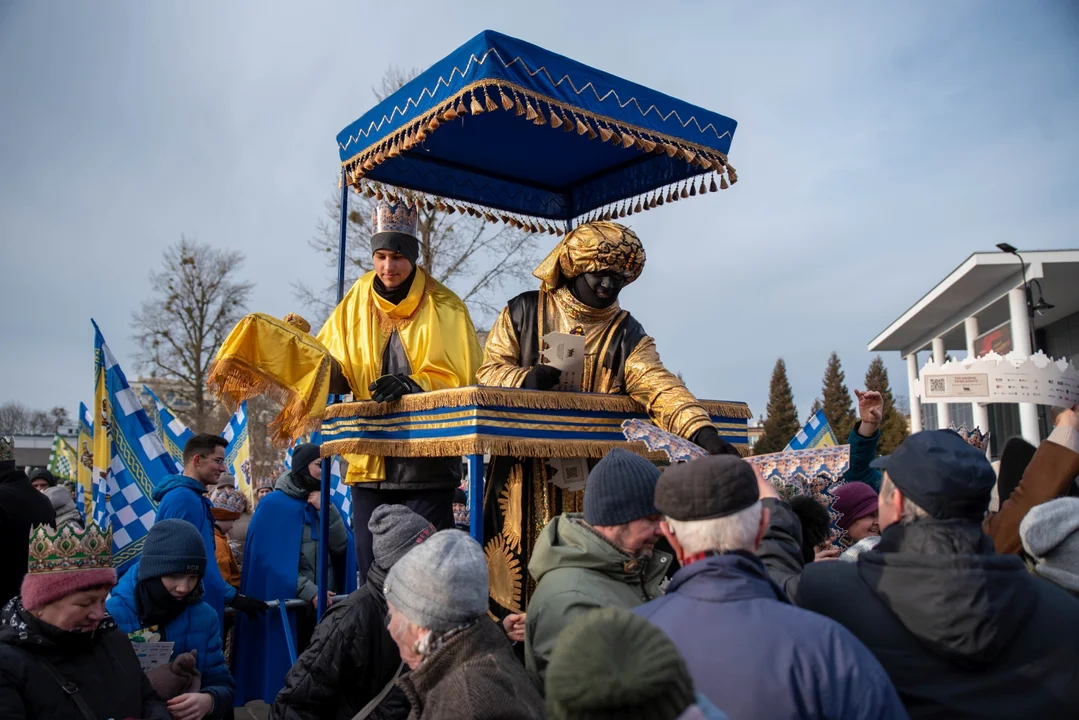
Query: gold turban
[(592, 248)]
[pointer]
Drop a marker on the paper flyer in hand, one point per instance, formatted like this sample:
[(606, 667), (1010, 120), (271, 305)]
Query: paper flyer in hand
[(1011, 378), (152, 654), (565, 352), (570, 474)]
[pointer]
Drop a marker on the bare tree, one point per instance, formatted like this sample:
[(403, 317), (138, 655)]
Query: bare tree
[(18, 419), (472, 257), (196, 302)]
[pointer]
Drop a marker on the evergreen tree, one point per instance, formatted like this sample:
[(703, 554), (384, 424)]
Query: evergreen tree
[(782, 422), (814, 408), (838, 406), (893, 426)]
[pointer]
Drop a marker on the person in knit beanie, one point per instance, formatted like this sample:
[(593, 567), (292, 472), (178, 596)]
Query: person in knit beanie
[(66, 512), (1050, 535), (603, 558), (856, 503), (161, 598), (611, 663), (460, 663), (351, 653), (60, 620)]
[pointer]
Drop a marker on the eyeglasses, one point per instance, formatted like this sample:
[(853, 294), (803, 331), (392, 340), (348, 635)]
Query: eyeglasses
[(216, 460)]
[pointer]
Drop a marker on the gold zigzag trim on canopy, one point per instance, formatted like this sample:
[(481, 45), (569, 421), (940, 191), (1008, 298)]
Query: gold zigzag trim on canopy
[(414, 102), (515, 398)]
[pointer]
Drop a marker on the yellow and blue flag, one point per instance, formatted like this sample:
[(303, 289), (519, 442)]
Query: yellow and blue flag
[(238, 453), (84, 496), (171, 428), (129, 458), (817, 433), (62, 460)]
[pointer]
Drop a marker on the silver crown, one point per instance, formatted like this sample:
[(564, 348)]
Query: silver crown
[(394, 217)]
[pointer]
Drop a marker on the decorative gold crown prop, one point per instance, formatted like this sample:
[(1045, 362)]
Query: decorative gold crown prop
[(398, 217), (975, 437), (69, 549)]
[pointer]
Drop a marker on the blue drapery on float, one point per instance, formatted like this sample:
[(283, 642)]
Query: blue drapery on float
[(516, 133)]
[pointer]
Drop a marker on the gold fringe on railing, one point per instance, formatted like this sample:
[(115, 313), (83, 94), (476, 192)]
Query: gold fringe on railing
[(494, 445), (520, 399)]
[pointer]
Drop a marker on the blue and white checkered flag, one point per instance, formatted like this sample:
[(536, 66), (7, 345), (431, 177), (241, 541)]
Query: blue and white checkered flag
[(340, 493), (137, 457), (171, 428), (817, 433)]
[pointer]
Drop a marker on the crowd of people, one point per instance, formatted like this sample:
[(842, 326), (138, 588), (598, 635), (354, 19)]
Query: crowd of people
[(690, 592)]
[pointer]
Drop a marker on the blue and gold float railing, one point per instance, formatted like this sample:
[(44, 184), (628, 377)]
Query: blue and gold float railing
[(478, 421)]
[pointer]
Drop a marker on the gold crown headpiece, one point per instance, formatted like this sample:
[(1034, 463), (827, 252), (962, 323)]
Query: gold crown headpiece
[(975, 437), (69, 549), (400, 217)]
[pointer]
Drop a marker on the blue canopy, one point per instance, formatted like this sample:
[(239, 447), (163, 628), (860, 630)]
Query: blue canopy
[(516, 133)]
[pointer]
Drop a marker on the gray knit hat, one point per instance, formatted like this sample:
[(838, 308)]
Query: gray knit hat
[(1050, 535), (621, 488), (172, 547), (442, 584), (611, 663), (394, 531)]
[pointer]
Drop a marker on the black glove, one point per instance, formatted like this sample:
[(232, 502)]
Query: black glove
[(392, 387), (249, 606), (709, 439), (542, 377)]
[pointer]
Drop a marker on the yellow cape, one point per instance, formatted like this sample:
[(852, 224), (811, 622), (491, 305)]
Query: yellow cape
[(436, 333)]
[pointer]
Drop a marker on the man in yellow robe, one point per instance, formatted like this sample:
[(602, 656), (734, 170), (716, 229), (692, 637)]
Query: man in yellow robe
[(400, 331), (397, 331), (579, 285)]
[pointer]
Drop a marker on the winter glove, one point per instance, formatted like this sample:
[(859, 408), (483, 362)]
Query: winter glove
[(176, 677), (249, 606), (392, 387), (542, 377), (709, 439)]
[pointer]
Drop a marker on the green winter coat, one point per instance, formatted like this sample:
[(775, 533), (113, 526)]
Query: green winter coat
[(576, 570)]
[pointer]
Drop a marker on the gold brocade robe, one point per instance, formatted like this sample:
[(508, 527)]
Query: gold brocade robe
[(519, 499), (435, 332)]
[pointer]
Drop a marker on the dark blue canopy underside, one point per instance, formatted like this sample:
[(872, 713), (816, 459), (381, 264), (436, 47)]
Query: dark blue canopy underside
[(493, 157)]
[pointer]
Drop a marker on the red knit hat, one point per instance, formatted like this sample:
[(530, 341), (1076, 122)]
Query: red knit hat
[(853, 500), (65, 562)]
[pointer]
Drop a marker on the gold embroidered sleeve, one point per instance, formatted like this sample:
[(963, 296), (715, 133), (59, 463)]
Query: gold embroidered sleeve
[(502, 356), (669, 403)]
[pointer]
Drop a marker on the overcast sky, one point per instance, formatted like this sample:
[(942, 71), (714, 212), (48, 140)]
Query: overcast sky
[(878, 145)]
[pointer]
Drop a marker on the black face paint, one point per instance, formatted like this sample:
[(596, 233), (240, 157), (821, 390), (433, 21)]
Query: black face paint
[(598, 290)]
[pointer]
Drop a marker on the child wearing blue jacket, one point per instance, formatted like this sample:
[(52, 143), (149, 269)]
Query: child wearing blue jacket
[(160, 598)]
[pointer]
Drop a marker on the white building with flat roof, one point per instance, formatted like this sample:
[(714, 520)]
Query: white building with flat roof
[(1002, 301)]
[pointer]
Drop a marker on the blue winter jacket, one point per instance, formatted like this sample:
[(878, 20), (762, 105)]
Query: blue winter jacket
[(196, 628), (181, 497), (754, 655), (863, 450)]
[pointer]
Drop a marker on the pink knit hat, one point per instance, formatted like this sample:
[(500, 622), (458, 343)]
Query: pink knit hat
[(65, 562), (853, 500)]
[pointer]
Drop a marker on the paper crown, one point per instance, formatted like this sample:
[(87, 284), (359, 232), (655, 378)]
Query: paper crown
[(975, 437), (69, 549), (397, 217), (7, 448)]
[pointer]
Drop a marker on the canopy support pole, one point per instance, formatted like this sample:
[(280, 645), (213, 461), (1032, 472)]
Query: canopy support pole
[(327, 462)]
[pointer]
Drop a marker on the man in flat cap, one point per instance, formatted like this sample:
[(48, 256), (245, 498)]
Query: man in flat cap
[(748, 649), (961, 630)]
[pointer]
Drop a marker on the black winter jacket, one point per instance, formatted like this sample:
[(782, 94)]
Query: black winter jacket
[(104, 668), (350, 659), (961, 631), (21, 507)]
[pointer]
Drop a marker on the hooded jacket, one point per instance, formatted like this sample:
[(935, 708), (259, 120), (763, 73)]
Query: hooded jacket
[(196, 628), (576, 569), (961, 631), (21, 508), (350, 659), (64, 506), (103, 667), (307, 582), (756, 656), (181, 497)]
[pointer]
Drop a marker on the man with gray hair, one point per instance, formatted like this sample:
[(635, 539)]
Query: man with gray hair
[(748, 649), (961, 630)]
